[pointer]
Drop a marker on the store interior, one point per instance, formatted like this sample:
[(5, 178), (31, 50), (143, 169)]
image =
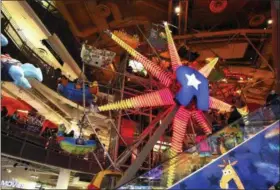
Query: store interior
[(140, 94)]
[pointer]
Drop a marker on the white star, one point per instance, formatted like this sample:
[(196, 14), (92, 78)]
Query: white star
[(192, 81)]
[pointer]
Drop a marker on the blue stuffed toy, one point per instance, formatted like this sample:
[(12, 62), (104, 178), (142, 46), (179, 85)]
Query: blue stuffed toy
[(13, 71), (4, 40)]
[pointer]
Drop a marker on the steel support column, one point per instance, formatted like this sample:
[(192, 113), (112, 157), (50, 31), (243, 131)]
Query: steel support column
[(170, 6), (131, 171), (125, 155), (275, 14), (120, 112), (259, 53), (186, 16)]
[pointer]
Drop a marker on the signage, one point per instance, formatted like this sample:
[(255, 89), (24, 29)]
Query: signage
[(11, 183)]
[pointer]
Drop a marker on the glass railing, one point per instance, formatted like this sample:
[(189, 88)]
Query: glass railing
[(184, 164)]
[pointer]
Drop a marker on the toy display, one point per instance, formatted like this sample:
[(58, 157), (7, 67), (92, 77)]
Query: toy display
[(14, 71), (74, 146), (74, 91)]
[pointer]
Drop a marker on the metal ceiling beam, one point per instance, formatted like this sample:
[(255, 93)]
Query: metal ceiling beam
[(125, 155), (170, 6), (186, 16), (259, 53), (152, 5), (222, 33)]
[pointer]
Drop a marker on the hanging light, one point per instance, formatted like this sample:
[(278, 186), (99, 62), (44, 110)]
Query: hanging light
[(8, 170), (270, 21), (177, 10)]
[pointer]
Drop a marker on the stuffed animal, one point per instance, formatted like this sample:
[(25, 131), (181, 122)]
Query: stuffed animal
[(4, 40), (13, 70)]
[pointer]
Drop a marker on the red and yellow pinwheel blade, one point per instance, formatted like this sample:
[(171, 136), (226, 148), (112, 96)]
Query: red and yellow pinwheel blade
[(199, 118), (175, 59), (219, 105), (155, 70), (206, 70), (180, 123), (161, 97)]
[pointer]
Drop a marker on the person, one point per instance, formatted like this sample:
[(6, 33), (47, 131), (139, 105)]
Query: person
[(203, 147), (215, 126), (4, 112), (92, 137), (271, 97), (234, 115), (70, 134), (15, 117), (273, 101)]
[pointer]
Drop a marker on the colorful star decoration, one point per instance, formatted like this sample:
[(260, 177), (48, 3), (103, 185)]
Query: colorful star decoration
[(192, 81), (192, 84)]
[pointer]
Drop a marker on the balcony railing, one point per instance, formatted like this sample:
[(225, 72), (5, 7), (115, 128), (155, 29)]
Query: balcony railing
[(18, 142)]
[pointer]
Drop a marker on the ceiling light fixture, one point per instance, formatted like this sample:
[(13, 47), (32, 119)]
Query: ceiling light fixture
[(8, 170), (177, 10)]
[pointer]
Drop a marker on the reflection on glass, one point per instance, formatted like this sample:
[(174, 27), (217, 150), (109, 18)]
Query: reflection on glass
[(182, 165)]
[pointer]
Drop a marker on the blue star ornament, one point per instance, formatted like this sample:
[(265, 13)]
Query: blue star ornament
[(194, 84)]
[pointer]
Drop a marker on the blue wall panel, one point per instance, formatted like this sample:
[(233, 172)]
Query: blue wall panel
[(257, 164)]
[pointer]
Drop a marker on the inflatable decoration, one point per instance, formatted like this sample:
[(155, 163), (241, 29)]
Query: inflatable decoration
[(74, 146), (4, 40), (74, 91), (13, 105), (13, 70), (96, 57)]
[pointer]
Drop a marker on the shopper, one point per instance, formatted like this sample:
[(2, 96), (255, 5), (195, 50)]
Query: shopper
[(15, 117), (234, 115), (271, 97), (4, 112), (203, 148), (70, 134), (273, 101)]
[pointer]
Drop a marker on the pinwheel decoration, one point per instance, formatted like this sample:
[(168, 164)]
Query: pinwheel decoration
[(192, 83)]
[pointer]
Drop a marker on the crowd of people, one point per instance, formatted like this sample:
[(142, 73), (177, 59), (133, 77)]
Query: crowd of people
[(32, 122)]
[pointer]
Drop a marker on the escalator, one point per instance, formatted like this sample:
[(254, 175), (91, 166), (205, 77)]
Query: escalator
[(244, 155)]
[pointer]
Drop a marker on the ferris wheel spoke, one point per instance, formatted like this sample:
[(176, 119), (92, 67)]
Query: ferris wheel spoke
[(206, 70), (218, 104), (201, 121), (175, 59), (155, 70), (179, 129), (158, 98)]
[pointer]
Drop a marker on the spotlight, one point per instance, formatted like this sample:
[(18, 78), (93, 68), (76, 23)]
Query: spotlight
[(270, 21), (8, 170), (177, 10)]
